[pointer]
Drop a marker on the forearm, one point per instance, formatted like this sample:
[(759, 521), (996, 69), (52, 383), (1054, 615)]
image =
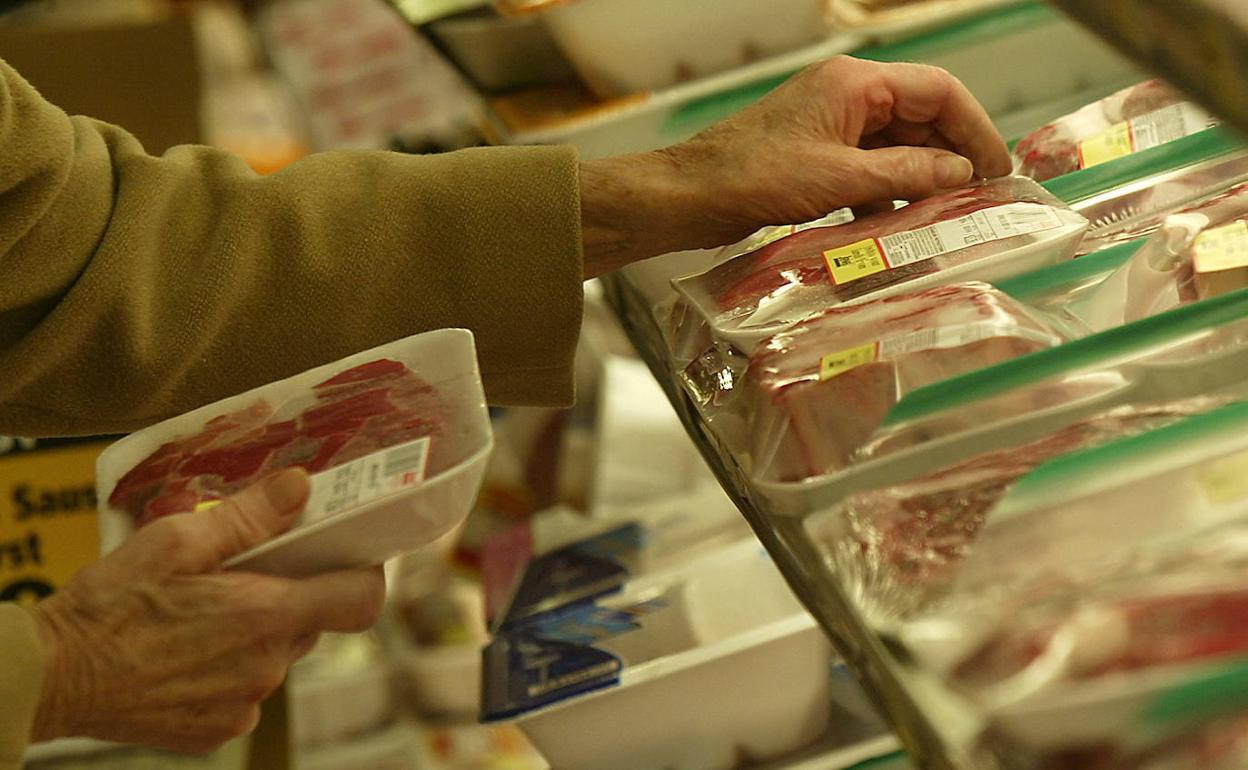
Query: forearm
[(133, 288)]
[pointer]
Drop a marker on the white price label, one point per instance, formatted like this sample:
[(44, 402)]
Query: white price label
[(361, 481)]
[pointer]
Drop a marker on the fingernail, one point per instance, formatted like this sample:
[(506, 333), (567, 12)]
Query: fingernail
[(953, 170), (286, 490)]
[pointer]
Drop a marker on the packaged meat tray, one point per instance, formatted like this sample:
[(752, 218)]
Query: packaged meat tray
[(1189, 351), (987, 232), (1133, 674), (1138, 118), (1197, 254), (668, 667), (900, 548), (396, 439), (1120, 211), (1076, 519), (822, 388)]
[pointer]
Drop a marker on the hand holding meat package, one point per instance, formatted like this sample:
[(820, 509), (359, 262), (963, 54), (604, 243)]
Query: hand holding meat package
[(821, 389), (984, 232), (1138, 118), (398, 434), (1199, 253)]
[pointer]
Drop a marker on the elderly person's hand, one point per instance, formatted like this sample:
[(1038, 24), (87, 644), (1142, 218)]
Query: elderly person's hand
[(845, 132), (156, 644)]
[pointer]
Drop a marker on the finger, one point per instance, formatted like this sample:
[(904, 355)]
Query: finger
[(345, 602), (905, 133), (301, 647), (903, 173), (243, 521), (925, 94)]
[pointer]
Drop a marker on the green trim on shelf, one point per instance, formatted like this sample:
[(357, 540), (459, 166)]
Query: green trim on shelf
[(1089, 351), (990, 25), (1028, 285), (1068, 470), (1190, 150), (1214, 694), (699, 113)]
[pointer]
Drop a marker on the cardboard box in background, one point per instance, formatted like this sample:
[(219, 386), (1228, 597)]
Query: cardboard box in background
[(143, 75)]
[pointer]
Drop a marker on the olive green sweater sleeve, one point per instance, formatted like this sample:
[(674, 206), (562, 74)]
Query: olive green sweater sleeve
[(133, 287), (21, 682)]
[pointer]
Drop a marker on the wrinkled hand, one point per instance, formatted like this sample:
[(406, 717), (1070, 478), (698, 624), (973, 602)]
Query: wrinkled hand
[(844, 132), (154, 644)]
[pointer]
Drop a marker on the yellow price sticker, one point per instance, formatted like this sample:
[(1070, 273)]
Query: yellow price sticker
[(1226, 480), (1111, 144), (834, 364), (855, 261), (1222, 248)]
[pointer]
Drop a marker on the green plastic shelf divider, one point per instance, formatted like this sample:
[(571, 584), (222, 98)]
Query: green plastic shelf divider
[(1067, 470), (1197, 148), (987, 26), (1140, 335), (702, 112), (1045, 279)]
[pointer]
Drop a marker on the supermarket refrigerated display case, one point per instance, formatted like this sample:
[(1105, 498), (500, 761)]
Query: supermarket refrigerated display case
[(940, 725)]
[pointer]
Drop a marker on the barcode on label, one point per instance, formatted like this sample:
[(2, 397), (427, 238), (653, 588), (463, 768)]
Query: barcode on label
[(406, 459), (361, 481)]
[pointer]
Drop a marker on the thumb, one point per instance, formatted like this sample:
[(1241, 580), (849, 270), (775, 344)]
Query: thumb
[(240, 522), (904, 173)]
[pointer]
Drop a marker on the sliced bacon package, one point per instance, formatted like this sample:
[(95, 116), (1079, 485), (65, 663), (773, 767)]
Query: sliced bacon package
[(395, 439), (821, 389), (984, 232), (1138, 118)]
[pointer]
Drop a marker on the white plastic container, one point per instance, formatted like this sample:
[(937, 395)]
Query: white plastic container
[(343, 690), (397, 517), (626, 46), (720, 663)]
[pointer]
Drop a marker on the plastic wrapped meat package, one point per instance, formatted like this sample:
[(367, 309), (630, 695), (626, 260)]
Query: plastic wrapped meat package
[(1138, 118), (1197, 254), (898, 549), (1105, 596), (396, 440), (1138, 209), (1193, 350), (822, 388), (984, 232), (1148, 676)]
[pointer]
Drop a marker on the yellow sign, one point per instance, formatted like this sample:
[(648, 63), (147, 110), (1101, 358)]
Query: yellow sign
[(48, 528), (1222, 248), (1111, 144), (838, 363), (855, 261)]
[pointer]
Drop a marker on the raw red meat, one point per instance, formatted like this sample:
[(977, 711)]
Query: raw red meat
[(353, 414), (824, 421), (1125, 635), (788, 280), (901, 545), (1053, 149)]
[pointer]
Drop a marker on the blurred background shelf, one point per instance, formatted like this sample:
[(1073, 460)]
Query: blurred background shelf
[(1199, 45)]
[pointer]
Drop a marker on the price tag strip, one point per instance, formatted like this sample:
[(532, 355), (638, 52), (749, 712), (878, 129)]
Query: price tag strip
[(366, 479), (940, 338), (875, 255)]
